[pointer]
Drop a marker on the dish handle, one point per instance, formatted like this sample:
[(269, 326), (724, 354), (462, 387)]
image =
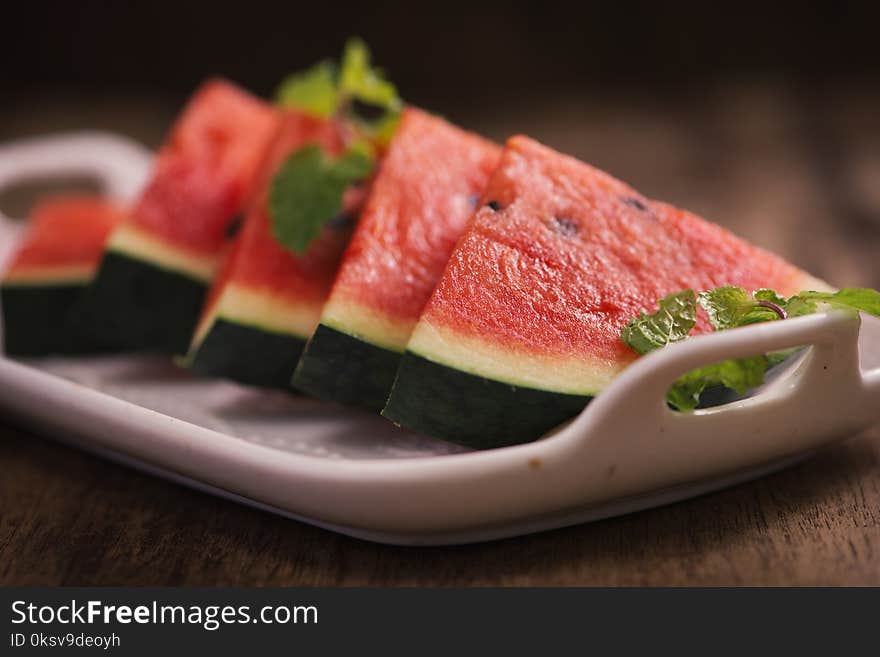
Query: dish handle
[(824, 397), (118, 164)]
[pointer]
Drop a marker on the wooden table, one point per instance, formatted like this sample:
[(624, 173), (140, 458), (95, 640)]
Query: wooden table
[(797, 171)]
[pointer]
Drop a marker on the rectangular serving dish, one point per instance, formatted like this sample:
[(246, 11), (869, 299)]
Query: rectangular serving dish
[(356, 473)]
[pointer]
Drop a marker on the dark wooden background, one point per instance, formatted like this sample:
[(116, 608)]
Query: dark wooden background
[(769, 127)]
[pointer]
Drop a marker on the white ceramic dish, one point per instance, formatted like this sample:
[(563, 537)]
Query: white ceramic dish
[(357, 474)]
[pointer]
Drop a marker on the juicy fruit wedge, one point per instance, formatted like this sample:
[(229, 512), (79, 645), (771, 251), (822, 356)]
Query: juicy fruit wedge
[(421, 200), (49, 273), (266, 300), (524, 326), (159, 262)]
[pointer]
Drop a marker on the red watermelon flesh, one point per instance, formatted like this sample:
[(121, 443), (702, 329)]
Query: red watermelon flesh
[(538, 289), (204, 176), (262, 283), (421, 200), (188, 204), (65, 238)]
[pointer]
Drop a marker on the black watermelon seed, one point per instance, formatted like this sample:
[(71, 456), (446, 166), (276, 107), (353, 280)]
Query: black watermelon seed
[(234, 226), (634, 202), (473, 200), (495, 205), (341, 220), (564, 226)]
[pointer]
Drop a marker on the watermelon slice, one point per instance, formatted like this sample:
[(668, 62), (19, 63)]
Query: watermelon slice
[(423, 196), (159, 263), (266, 300), (49, 273), (524, 326)]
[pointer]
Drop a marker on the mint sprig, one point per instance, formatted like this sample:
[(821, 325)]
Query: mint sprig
[(330, 89), (313, 91), (730, 307), (308, 190)]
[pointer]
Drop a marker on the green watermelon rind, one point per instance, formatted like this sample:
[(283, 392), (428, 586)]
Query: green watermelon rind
[(247, 354), (471, 410), (339, 367), (136, 305), (37, 320)]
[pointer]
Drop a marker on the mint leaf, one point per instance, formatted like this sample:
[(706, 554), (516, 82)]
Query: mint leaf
[(769, 295), (674, 319), (360, 81), (685, 392), (851, 298), (355, 164), (798, 307), (775, 358), (307, 192), (730, 306), (769, 306), (313, 91), (740, 375), (726, 306)]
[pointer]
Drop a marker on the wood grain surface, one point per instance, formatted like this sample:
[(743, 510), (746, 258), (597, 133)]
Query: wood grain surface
[(797, 171)]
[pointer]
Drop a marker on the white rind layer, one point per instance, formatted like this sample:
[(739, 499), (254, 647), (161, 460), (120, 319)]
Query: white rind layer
[(261, 310), (366, 324), (130, 240)]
